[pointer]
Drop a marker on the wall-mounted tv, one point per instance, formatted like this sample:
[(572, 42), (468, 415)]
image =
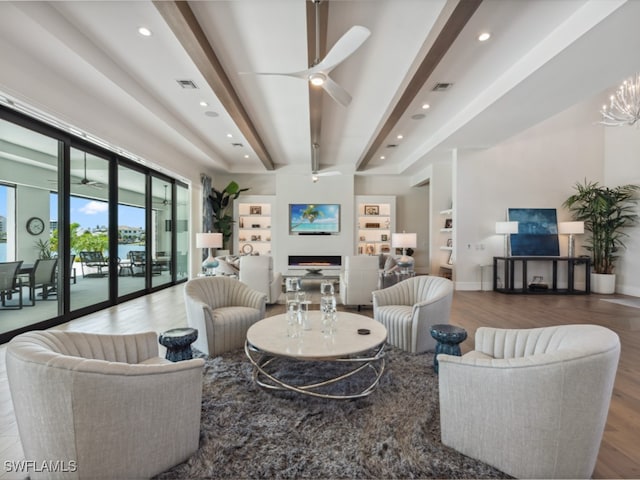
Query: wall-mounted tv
[(314, 219)]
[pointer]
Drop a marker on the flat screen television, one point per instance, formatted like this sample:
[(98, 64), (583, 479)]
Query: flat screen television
[(314, 218)]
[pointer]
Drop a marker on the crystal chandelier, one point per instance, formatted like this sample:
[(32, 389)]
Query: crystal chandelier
[(624, 108)]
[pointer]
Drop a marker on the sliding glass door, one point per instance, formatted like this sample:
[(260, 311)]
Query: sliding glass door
[(132, 232), (89, 228)]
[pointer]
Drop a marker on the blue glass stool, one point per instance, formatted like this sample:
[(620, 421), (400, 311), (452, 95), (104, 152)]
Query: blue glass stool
[(449, 338), (178, 342)]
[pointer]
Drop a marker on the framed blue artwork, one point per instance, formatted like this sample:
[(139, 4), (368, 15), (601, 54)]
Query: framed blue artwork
[(537, 232)]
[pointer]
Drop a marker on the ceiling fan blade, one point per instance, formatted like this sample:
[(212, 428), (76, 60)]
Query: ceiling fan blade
[(343, 48), (304, 74), (336, 92)]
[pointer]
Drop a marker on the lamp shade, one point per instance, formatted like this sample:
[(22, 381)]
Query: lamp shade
[(208, 240), (404, 240), (571, 228), (506, 228)]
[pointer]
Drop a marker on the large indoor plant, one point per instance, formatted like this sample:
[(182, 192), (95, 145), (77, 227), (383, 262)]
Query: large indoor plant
[(606, 212), (221, 203)]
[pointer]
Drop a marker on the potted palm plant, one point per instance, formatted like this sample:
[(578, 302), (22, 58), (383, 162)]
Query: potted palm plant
[(221, 202), (606, 212)]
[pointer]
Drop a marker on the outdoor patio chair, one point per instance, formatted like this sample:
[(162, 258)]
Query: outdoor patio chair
[(10, 283), (93, 260), (42, 276)]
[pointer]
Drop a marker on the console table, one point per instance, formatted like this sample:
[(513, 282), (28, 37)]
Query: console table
[(508, 267)]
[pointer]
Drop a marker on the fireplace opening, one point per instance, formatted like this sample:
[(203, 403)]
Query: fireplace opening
[(315, 261)]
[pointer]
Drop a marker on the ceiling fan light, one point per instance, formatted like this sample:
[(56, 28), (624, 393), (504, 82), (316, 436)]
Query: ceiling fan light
[(317, 79)]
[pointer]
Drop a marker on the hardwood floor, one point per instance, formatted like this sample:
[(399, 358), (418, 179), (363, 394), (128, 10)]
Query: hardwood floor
[(619, 455)]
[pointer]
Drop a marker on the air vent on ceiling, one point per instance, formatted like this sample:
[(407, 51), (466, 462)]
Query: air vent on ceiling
[(210, 113), (442, 86), (237, 145), (418, 116), (187, 84), (392, 145)]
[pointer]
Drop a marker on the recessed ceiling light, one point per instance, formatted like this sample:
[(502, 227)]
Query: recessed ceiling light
[(400, 137), (203, 103), (382, 157), (229, 135), (484, 36), (144, 31), (426, 106), (246, 156)]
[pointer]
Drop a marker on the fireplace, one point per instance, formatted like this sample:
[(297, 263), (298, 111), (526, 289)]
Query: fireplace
[(320, 262)]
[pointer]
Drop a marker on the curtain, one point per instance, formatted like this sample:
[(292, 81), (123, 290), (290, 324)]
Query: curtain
[(207, 211)]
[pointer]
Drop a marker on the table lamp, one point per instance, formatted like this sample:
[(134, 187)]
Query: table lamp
[(506, 229), (571, 229), (404, 240), (209, 241)]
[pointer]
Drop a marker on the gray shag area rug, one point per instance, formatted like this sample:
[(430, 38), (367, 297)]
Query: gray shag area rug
[(249, 432)]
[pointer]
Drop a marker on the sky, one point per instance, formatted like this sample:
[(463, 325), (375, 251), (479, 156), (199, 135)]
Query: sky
[(88, 213)]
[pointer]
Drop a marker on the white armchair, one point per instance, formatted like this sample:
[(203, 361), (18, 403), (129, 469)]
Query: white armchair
[(532, 403), (256, 271), (108, 403), (222, 309), (409, 308), (358, 280)]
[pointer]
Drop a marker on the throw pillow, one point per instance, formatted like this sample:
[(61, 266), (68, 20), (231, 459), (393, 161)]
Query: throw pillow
[(225, 268), (390, 265)]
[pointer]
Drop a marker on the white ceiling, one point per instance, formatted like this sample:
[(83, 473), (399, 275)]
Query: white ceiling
[(84, 63)]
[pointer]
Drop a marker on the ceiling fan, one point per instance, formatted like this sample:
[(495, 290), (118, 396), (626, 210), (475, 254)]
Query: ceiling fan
[(164, 202), (318, 74), (85, 180)]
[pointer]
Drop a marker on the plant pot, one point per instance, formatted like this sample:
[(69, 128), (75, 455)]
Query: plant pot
[(603, 283)]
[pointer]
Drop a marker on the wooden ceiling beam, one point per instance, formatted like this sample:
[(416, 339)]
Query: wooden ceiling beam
[(189, 33), (461, 14), (316, 93)]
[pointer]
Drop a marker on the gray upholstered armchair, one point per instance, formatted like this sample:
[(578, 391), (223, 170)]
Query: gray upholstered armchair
[(530, 402), (409, 308), (108, 403), (222, 309)]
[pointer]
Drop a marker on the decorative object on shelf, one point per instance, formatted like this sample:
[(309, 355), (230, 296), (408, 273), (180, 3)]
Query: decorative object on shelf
[(448, 223), (606, 212), (404, 240), (372, 210), (624, 106), (506, 229), (255, 210), (449, 242), (255, 225), (370, 249), (450, 259), (209, 241), (363, 238), (220, 202), (371, 225), (247, 249), (571, 229), (384, 237), (241, 222), (385, 248), (35, 226)]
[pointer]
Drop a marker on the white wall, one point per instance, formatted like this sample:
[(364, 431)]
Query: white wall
[(300, 189), (535, 169), (622, 166)]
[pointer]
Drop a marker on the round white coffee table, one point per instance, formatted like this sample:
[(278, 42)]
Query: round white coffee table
[(268, 345)]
